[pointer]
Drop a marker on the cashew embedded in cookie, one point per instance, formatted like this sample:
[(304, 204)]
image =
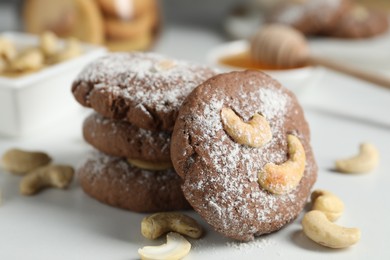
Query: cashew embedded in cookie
[(318, 228), (57, 176), (365, 161), (283, 178), (325, 201), (255, 133), (176, 247), (151, 166), (158, 224)]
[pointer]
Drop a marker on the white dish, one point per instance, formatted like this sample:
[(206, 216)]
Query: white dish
[(294, 79), (30, 102)]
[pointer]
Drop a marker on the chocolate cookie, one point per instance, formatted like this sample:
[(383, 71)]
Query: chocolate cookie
[(223, 162), (113, 181), (126, 9), (309, 16), (120, 138), (360, 22), (146, 89)]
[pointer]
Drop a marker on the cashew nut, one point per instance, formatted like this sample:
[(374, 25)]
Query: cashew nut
[(21, 162), (255, 133), (365, 161), (71, 50), (58, 176), (325, 201), (318, 228), (49, 43), (7, 49), (159, 166), (283, 178), (164, 65), (158, 224), (29, 59), (176, 247)]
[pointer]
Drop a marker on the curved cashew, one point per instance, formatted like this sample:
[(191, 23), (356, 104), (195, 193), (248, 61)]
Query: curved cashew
[(283, 178), (20, 162), (176, 247), (58, 176), (255, 133), (318, 228), (151, 166), (365, 161), (158, 224), (328, 203), (30, 59), (49, 43)]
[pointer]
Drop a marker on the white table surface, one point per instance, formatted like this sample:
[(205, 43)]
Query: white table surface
[(342, 113)]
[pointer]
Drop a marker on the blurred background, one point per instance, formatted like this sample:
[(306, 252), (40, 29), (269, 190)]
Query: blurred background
[(121, 26)]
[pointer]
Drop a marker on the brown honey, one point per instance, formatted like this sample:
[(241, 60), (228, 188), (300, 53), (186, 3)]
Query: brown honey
[(244, 60)]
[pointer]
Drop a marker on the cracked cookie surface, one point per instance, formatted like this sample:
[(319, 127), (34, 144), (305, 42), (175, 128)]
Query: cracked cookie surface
[(220, 175), (145, 89)]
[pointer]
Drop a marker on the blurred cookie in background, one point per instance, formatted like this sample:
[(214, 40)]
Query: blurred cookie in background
[(120, 25), (81, 19), (309, 16), (361, 22)]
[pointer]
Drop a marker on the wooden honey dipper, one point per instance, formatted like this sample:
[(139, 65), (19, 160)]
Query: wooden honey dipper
[(285, 47)]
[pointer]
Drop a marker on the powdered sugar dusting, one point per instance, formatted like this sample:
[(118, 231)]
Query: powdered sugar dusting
[(240, 205), (134, 77)]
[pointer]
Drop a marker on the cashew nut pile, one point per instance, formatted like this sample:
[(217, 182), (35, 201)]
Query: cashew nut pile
[(283, 178), (36, 57), (177, 246), (317, 223), (365, 161), (37, 171)]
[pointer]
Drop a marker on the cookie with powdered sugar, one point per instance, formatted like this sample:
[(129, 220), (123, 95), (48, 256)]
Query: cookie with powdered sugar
[(123, 139), (113, 181), (145, 89), (360, 22), (221, 171), (309, 16)]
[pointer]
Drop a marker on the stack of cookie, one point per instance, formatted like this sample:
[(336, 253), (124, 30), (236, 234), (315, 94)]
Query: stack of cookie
[(129, 24), (136, 98), (121, 25), (336, 18)]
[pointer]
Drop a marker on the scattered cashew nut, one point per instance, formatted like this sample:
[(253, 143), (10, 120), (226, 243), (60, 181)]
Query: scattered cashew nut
[(176, 247), (318, 228), (58, 176), (49, 43), (283, 178), (325, 201), (21, 162), (164, 65), (255, 133), (365, 161), (151, 166), (29, 59), (158, 224)]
